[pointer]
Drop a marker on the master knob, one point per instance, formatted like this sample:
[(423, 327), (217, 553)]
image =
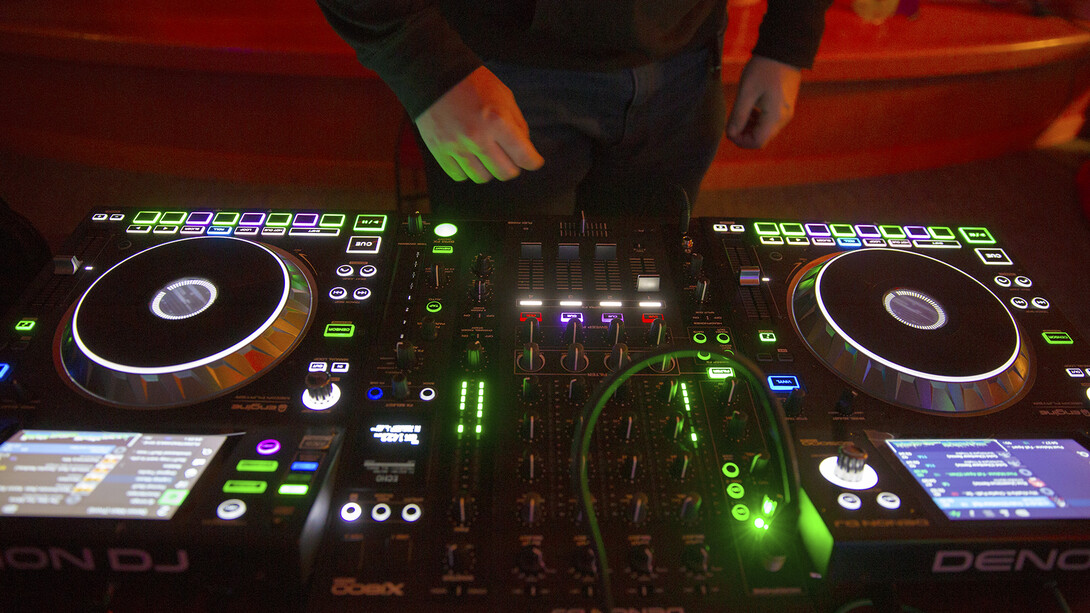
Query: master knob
[(850, 462)]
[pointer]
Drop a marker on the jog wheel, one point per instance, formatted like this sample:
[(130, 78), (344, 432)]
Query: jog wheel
[(183, 322), (911, 330)]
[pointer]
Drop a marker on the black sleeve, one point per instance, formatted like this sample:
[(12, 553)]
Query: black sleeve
[(791, 31), (407, 42)]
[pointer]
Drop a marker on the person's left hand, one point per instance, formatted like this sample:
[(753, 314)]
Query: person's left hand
[(765, 103)]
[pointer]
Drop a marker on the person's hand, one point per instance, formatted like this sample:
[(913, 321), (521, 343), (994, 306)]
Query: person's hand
[(765, 103), (476, 131)]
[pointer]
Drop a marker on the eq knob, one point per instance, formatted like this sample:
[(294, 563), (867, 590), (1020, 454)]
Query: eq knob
[(657, 332), (641, 560), (531, 359), (637, 508), (690, 507), (669, 390), (531, 426), (405, 353), (575, 358), (627, 427), (531, 508), (530, 561), (736, 426), (529, 389), (577, 389), (851, 459)]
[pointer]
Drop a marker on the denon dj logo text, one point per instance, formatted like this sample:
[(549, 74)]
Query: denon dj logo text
[(120, 560), (1009, 560)]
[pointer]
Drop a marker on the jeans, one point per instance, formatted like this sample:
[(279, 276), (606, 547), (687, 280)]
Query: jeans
[(634, 141)]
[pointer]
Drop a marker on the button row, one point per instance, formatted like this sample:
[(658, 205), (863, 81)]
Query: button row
[(971, 235), (853, 502)]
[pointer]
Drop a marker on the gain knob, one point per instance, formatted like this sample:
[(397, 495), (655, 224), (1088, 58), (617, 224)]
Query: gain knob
[(657, 332), (531, 330), (531, 508)]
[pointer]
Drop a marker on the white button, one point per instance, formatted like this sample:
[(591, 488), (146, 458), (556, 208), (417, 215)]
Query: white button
[(1002, 281), (889, 500), (850, 501), (351, 511), (1075, 373), (367, 270), (1040, 303), (1023, 281), (339, 367), (380, 512), (410, 512), (361, 293), (229, 509), (337, 293), (1019, 302), (344, 270), (317, 367)]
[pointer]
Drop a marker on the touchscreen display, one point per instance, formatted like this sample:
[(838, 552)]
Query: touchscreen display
[(1000, 479), (55, 473)]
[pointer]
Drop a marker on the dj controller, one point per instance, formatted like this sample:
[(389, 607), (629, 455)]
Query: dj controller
[(333, 410)]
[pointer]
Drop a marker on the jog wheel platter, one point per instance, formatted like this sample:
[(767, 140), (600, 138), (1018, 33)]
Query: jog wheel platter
[(911, 330), (184, 322)]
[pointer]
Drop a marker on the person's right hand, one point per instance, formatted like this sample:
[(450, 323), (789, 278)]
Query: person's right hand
[(476, 131)]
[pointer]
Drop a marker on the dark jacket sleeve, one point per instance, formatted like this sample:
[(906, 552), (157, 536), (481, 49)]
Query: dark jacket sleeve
[(407, 42), (791, 31)]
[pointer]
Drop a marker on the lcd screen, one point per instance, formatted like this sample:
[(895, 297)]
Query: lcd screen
[(129, 475), (1001, 479)]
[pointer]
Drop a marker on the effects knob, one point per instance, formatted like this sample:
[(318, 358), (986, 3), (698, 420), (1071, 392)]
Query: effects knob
[(575, 358), (475, 355), (531, 508), (618, 357), (690, 507), (641, 560), (637, 508), (530, 561), (531, 359), (851, 459), (405, 352)]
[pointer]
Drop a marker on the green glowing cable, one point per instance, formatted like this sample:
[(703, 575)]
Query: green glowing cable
[(777, 439)]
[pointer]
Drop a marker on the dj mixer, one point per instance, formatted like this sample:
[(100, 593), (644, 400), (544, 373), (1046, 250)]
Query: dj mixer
[(333, 410)]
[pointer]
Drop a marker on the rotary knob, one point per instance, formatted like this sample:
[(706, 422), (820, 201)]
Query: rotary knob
[(696, 264), (695, 559), (530, 561), (690, 507), (637, 508), (615, 332), (700, 292), (415, 223), (531, 508), (475, 355), (641, 560), (675, 427), (319, 386), (575, 359), (631, 466), (573, 332), (530, 467), (429, 330), (627, 427), (399, 386), (481, 291), (736, 426), (529, 389), (482, 266), (531, 359), (679, 468), (461, 509), (585, 562), (531, 330), (657, 332), (669, 390), (459, 558), (577, 389), (531, 426), (851, 459), (405, 352), (618, 357)]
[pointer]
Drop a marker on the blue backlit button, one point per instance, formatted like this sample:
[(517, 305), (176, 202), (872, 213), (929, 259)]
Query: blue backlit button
[(338, 293), (304, 466), (1040, 303), (1019, 302), (229, 509), (1023, 281), (849, 242), (361, 293), (5, 368), (783, 383), (1074, 373), (368, 270), (364, 244), (268, 446), (889, 500), (1002, 280), (339, 367), (850, 501), (345, 270), (993, 256)]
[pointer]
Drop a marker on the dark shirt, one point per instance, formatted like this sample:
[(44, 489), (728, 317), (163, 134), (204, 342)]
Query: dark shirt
[(422, 48)]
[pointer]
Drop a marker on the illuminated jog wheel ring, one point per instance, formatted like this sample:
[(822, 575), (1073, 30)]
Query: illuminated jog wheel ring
[(236, 309), (911, 330)]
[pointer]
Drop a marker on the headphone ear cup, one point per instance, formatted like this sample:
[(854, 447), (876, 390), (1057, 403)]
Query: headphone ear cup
[(23, 253)]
